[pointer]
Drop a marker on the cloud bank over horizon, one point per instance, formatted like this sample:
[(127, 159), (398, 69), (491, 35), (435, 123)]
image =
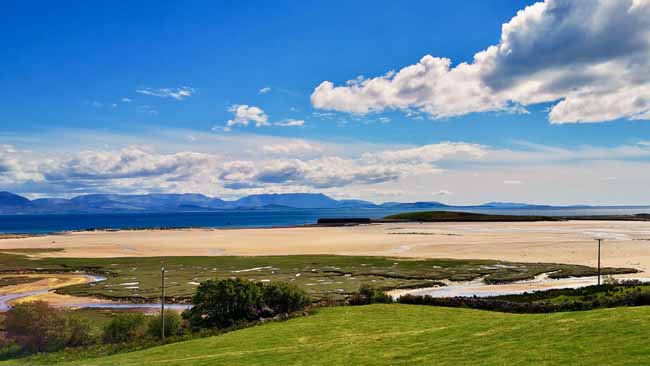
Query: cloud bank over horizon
[(372, 172), (590, 59)]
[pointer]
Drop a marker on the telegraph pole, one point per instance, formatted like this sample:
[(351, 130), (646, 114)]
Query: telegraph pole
[(162, 303), (599, 242)]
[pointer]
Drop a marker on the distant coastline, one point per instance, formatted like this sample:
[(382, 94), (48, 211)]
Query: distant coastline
[(96, 204), (243, 219)]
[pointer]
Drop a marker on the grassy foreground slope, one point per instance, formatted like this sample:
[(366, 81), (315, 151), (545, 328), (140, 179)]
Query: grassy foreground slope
[(418, 335)]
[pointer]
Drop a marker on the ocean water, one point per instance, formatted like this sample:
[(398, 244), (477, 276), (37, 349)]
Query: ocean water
[(37, 224)]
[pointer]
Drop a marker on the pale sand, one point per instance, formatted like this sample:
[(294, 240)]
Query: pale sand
[(44, 282), (627, 244), (48, 282), (55, 299)]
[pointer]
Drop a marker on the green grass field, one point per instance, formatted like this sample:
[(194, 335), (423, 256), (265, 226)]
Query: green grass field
[(413, 335), (138, 279)]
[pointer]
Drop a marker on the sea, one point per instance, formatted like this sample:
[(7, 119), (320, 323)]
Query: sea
[(53, 223)]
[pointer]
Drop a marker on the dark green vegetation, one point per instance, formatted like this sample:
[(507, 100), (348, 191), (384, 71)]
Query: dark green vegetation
[(37, 327), (454, 216), (106, 332), (228, 302), (133, 327), (370, 295), (124, 328), (625, 293), (322, 276), (34, 327), (451, 216), (412, 335), (219, 306), (588, 298), (172, 325)]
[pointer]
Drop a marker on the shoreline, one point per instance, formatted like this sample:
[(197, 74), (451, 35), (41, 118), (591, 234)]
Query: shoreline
[(605, 218), (627, 243)]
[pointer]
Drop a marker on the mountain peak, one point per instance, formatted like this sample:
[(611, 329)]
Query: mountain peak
[(295, 200), (8, 199)]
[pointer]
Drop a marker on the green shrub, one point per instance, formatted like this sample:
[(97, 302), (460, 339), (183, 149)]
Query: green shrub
[(282, 297), (37, 327), (370, 295), (124, 328), (227, 302), (172, 325), (81, 332), (223, 303), (9, 348)]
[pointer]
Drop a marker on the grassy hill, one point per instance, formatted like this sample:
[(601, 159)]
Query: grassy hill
[(453, 216), (415, 335)]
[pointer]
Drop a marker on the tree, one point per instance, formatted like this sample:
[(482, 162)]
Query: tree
[(370, 295), (37, 327), (223, 303), (172, 324), (81, 332), (282, 297), (124, 328)]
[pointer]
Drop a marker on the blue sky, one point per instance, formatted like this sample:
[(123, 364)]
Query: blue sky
[(90, 83)]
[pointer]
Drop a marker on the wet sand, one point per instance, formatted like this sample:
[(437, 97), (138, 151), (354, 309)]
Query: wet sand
[(627, 244), (40, 289), (43, 282), (480, 289)]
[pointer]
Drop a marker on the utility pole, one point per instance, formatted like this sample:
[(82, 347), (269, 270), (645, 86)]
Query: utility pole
[(162, 303), (599, 242)]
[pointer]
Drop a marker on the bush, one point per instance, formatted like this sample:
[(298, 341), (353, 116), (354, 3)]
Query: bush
[(172, 325), (37, 327), (228, 302), (223, 303), (370, 295), (81, 332), (9, 348), (282, 297), (124, 328)]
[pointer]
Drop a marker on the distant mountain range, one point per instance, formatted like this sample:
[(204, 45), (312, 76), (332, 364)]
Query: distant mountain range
[(115, 203)]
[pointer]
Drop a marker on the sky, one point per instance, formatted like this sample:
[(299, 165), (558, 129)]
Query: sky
[(464, 103)]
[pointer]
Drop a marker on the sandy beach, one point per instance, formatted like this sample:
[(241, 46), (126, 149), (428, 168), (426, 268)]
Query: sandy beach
[(627, 244), (41, 289)]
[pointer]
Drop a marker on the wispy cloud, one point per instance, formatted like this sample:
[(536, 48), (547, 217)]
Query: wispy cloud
[(290, 123), (174, 93), (147, 109), (297, 147), (265, 90)]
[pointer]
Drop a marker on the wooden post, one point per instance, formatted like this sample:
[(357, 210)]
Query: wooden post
[(162, 304), (599, 241)]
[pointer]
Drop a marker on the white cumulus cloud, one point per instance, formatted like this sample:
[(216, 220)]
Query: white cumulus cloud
[(245, 115), (590, 58)]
